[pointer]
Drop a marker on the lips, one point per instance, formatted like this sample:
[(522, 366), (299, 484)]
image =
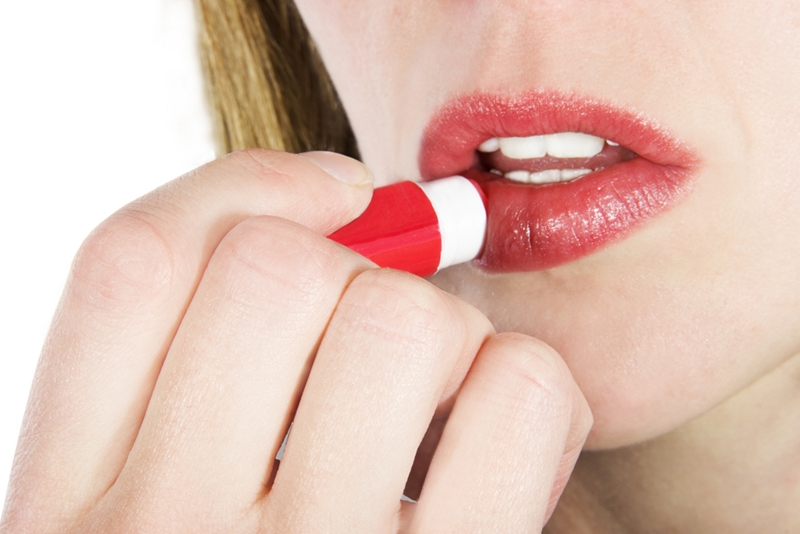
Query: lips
[(532, 227)]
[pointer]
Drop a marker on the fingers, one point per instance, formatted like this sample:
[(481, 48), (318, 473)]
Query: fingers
[(509, 445), (183, 343), (129, 286), (386, 360), (235, 370)]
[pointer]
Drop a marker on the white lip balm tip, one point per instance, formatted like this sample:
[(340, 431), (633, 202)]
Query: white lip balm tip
[(462, 218)]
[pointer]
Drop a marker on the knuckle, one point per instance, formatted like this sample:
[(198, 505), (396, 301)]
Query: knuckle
[(288, 516), (260, 161), (539, 377), (269, 258), (406, 290), (250, 156), (127, 260), (400, 308)]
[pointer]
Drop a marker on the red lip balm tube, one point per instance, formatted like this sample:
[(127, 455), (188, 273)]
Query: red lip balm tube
[(420, 227)]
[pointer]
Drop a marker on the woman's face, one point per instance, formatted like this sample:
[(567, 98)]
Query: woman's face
[(668, 282)]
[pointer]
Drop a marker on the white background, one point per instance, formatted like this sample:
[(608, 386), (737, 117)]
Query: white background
[(100, 102)]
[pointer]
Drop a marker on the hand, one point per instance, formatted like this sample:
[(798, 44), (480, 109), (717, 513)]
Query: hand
[(200, 320)]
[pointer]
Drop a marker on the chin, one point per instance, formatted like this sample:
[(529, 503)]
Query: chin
[(644, 361)]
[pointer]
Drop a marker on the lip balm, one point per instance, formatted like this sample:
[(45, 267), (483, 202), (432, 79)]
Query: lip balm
[(420, 227)]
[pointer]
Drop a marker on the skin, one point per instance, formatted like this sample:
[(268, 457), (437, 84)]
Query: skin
[(201, 319)]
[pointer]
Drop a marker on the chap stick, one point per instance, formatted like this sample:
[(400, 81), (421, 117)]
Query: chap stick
[(420, 227)]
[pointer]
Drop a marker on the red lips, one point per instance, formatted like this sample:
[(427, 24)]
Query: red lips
[(534, 227)]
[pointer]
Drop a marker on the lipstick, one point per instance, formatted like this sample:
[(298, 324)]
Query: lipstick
[(420, 227)]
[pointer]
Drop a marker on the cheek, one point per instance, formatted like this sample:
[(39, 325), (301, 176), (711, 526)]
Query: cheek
[(365, 48), (341, 32)]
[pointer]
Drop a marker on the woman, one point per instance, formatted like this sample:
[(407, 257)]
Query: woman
[(645, 312)]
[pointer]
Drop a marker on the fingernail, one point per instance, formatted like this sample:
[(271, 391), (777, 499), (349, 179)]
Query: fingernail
[(341, 167)]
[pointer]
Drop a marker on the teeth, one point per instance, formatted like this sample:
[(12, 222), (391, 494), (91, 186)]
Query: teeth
[(519, 176), (523, 147), (560, 145), (549, 176), (490, 145), (571, 174), (546, 177), (573, 145)]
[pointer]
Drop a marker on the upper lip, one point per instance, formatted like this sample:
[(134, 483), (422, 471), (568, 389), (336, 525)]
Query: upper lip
[(455, 131)]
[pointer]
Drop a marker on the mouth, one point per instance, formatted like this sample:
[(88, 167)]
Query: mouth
[(563, 176)]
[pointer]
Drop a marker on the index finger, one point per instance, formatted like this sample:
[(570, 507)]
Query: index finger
[(127, 291)]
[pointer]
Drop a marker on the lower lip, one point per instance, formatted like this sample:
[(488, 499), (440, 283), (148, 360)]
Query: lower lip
[(539, 227)]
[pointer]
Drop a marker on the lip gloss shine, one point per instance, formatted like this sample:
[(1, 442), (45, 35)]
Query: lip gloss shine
[(420, 227)]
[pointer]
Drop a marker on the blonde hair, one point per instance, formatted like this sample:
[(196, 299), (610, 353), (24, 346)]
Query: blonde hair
[(266, 82)]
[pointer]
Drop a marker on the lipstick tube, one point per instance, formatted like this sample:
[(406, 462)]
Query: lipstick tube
[(420, 227)]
